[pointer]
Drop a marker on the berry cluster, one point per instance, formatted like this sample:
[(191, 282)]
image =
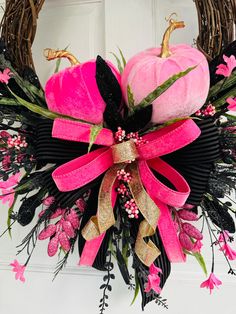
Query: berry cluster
[(209, 111)]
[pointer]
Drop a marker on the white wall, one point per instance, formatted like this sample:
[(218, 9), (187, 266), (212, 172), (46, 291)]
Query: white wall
[(92, 27)]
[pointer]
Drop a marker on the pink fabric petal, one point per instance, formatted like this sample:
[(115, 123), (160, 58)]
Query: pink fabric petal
[(19, 270)]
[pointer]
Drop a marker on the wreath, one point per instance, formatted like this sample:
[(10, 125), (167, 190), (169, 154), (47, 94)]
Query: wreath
[(122, 162)]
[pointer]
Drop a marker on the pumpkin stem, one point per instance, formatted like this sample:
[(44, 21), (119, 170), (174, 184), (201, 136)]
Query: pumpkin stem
[(165, 51), (51, 54)]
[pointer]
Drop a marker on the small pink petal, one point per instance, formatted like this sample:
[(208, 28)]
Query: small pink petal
[(48, 232), (224, 236), (53, 246), (68, 228), (192, 231), (229, 252), (48, 201), (64, 242), (185, 241), (73, 218), (232, 104), (211, 282), (187, 215)]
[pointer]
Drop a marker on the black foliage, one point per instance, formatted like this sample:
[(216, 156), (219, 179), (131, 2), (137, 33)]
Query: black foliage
[(106, 286), (222, 180), (27, 209), (30, 182), (29, 75), (218, 213), (110, 91), (138, 120)]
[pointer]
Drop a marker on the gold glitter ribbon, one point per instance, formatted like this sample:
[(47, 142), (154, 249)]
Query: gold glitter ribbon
[(125, 151), (146, 251), (105, 216)]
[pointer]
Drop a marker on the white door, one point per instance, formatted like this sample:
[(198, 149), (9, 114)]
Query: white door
[(91, 27)]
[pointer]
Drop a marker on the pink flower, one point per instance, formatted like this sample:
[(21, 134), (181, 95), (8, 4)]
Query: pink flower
[(12, 181), (5, 75), (224, 236), (19, 270), (7, 189), (48, 201), (211, 282), (229, 252), (153, 279), (197, 247), (7, 196), (226, 69), (232, 103)]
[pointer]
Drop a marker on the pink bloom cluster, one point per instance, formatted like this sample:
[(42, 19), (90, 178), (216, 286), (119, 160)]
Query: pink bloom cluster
[(153, 279), (188, 232), (62, 231), (209, 111), (122, 175), (226, 69)]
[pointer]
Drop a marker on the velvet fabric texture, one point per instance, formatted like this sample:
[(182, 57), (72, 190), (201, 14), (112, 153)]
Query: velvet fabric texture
[(146, 71), (74, 92)]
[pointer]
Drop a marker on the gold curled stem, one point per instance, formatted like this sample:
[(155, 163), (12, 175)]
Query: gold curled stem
[(165, 50), (51, 54)]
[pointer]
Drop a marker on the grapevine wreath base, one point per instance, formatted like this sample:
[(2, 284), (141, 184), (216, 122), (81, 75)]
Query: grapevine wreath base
[(122, 163)]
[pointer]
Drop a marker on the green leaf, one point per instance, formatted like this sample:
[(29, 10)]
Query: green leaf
[(120, 68), (95, 130), (163, 87), (199, 259), (39, 110), (222, 100), (122, 57), (136, 291), (10, 211), (222, 85), (58, 62), (130, 98)]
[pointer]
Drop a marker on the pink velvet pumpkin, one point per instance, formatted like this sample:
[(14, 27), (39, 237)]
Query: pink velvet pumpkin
[(74, 92), (147, 70)]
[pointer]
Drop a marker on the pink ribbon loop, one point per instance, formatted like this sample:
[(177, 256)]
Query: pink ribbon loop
[(168, 139), (80, 132), (80, 171), (163, 196), (85, 169)]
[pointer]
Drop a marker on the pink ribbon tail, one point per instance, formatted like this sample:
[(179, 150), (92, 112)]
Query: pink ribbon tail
[(92, 247)]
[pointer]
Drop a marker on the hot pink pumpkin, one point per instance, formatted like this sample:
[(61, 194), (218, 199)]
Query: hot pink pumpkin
[(74, 92), (147, 70)]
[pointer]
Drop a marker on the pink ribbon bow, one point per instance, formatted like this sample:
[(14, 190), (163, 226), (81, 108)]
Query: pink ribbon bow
[(82, 170)]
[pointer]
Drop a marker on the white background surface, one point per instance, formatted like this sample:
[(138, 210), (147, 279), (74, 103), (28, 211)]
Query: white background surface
[(92, 27)]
